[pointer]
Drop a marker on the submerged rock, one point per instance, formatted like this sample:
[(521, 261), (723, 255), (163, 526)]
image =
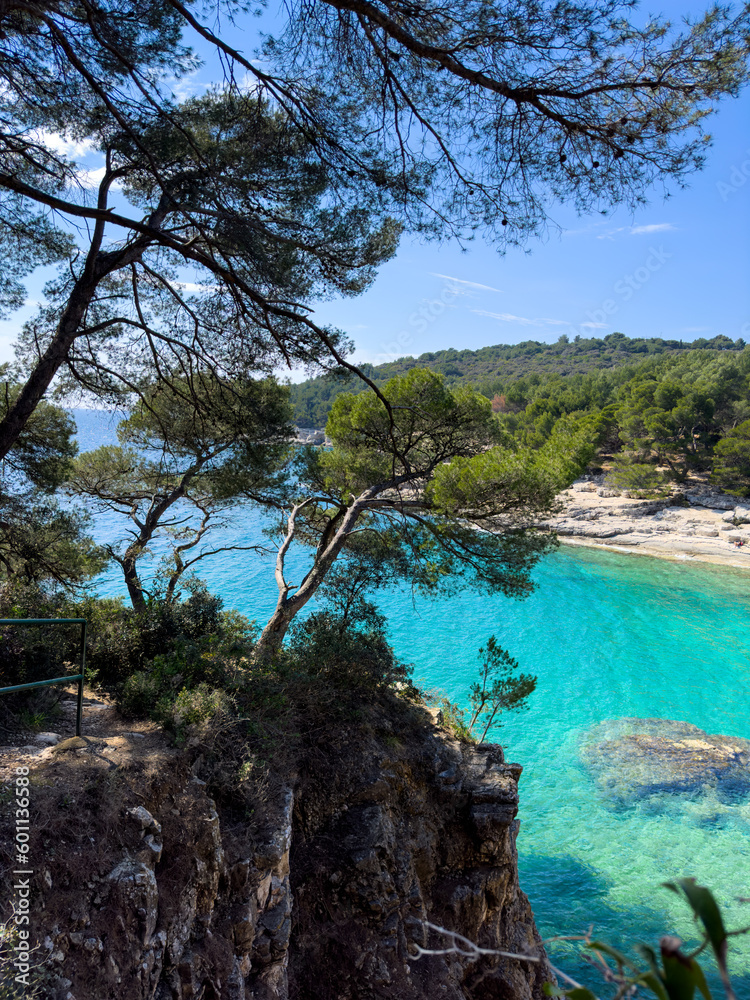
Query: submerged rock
[(631, 759)]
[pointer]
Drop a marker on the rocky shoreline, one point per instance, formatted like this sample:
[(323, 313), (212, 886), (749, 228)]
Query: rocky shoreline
[(696, 522)]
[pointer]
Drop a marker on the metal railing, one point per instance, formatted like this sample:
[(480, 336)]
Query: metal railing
[(54, 680)]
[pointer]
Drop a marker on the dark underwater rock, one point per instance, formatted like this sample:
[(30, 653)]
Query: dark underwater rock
[(631, 759)]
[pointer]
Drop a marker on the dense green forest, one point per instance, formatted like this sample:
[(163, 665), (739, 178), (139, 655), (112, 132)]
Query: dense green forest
[(661, 409), (493, 369)]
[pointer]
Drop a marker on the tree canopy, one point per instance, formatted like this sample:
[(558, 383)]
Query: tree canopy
[(505, 373), (40, 541), (217, 221), (422, 493), (179, 472), (659, 402)]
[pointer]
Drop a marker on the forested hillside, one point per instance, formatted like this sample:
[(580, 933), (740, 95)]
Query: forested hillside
[(492, 370), (659, 409)]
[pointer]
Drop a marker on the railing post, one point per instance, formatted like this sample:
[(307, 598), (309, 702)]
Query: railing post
[(79, 710)]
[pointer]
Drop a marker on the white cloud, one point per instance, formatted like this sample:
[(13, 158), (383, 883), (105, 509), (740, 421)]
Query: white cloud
[(72, 148), (505, 317), (91, 178), (463, 281), (186, 86), (611, 233), (654, 227), (521, 320), (595, 326)]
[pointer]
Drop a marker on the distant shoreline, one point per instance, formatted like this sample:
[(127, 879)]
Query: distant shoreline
[(695, 524), (737, 559)]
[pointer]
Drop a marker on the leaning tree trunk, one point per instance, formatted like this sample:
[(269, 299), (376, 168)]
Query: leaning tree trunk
[(287, 607), (272, 636), (133, 583)]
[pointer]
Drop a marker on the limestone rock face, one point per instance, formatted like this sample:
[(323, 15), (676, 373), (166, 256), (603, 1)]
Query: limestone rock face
[(322, 899), (631, 759), (408, 842)]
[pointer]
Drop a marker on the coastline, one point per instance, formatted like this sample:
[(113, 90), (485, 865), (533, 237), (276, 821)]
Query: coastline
[(694, 524)]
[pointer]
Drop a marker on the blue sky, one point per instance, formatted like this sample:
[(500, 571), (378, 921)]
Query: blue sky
[(677, 268)]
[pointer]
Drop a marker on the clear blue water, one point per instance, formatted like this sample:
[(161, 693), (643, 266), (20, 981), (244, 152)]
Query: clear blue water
[(608, 636)]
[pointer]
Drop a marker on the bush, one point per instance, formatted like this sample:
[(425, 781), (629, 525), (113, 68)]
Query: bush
[(639, 479), (346, 651), (139, 695), (198, 706), (732, 460), (142, 657), (213, 662)]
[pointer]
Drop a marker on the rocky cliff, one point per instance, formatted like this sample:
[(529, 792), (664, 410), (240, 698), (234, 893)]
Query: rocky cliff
[(146, 887)]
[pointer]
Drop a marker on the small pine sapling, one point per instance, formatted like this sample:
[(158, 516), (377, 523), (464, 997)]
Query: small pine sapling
[(499, 688)]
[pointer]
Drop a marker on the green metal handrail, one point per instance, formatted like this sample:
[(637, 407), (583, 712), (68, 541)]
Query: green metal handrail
[(54, 680)]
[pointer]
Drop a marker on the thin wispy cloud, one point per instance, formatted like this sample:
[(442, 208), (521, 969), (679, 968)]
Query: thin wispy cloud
[(595, 326), (187, 86), (463, 281), (654, 227), (645, 230), (521, 320)]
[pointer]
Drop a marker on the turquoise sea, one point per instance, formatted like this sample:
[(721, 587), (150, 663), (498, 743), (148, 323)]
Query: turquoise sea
[(609, 636)]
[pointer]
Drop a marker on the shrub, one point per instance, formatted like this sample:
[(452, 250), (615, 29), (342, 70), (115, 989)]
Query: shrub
[(139, 695), (199, 705), (639, 479), (346, 651), (732, 460)]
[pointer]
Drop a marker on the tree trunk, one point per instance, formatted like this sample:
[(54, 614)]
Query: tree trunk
[(273, 634), (47, 367), (287, 607), (98, 266), (132, 582)]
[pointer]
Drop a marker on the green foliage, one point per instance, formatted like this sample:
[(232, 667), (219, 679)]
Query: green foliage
[(670, 973), (425, 424), (119, 640), (732, 462), (189, 455), (517, 373), (499, 689), (423, 473), (41, 542), (346, 648), (45, 448), (651, 402), (196, 706), (452, 716), (639, 479)]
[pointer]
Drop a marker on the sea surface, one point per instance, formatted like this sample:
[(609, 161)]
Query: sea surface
[(608, 636)]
